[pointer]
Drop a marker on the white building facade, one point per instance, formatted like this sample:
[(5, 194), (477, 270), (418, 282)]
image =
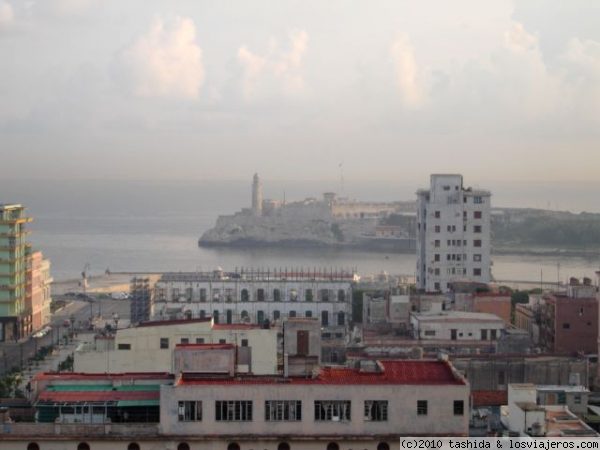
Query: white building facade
[(453, 234)]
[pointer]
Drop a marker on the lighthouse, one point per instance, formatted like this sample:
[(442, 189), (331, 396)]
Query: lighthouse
[(256, 196)]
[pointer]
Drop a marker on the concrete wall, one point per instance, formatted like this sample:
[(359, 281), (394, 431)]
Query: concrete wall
[(402, 409), (467, 330)]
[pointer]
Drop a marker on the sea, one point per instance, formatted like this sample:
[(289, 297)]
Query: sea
[(154, 226)]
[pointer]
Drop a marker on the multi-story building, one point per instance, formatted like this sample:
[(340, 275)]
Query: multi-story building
[(569, 321), (453, 234), (38, 296), (458, 326), (15, 318)]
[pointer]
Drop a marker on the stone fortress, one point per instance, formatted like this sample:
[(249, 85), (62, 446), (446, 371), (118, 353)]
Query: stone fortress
[(330, 221)]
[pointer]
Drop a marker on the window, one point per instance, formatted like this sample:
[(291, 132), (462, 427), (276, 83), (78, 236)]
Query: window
[(183, 446), (341, 319), (308, 295), (283, 446), (437, 228), (477, 272), (325, 318), (376, 410), (260, 295), (436, 286), (501, 378), (421, 407), (202, 314), (203, 294), (436, 271), (283, 410), (216, 316), (185, 341), (576, 400), (308, 313), (222, 341), (477, 243), (233, 446), (292, 313), (244, 342), (477, 258), (164, 343), (189, 411), (276, 314), (493, 335), (459, 407), (341, 295), (333, 446), (436, 243), (476, 214), (199, 340), (324, 295), (33, 446), (332, 410), (477, 229), (83, 446), (437, 214), (276, 295), (293, 295), (429, 332), (233, 411), (566, 326), (216, 295), (124, 347), (477, 200), (245, 295), (484, 335)]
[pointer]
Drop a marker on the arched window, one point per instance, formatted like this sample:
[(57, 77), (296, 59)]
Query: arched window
[(233, 446), (276, 295), (183, 446), (260, 317), (133, 446), (260, 295), (83, 446), (244, 315), (283, 446), (341, 295), (33, 446), (341, 317), (383, 446), (333, 446), (245, 295)]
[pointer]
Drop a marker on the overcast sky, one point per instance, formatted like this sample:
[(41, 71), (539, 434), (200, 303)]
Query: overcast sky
[(147, 89)]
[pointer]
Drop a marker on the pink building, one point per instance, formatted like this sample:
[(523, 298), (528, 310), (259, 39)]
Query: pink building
[(38, 297)]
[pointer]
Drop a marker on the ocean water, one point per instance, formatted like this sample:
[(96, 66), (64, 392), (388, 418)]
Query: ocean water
[(154, 226)]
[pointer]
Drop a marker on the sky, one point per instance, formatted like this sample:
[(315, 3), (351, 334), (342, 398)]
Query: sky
[(499, 91)]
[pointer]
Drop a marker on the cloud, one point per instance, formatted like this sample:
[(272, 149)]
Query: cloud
[(165, 62), (7, 15), (277, 69), (408, 79)]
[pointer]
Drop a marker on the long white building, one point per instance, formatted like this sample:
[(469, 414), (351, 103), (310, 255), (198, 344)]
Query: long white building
[(453, 234)]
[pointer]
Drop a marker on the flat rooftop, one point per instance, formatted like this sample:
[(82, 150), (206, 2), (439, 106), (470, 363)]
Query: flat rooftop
[(458, 316), (403, 372), (262, 275)]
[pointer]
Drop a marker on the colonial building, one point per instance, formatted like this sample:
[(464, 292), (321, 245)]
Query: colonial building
[(453, 234)]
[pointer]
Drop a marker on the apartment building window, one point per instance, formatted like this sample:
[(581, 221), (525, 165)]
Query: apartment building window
[(341, 295), (124, 347), (325, 318), (244, 342), (429, 332), (436, 271), (308, 295), (566, 326), (175, 295), (276, 314), (477, 200), (436, 257), (476, 214), (332, 410), (436, 286), (276, 295), (202, 314), (292, 313), (199, 340), (477, 243), (222, 341), (203, 295), (164, 343), (477, 272), (493, 335), (436, 243), (189, 411), (185, 341), (437, 214), (421, 407), (376, 410), (308, 313), (449, 243), (260, 295), (437, 228), (477, 257), (233, 410), (477, 229), (484, 335), (283, 410), (245, 295), (216, 295), (459, 408), (293, 295), (324, 294)]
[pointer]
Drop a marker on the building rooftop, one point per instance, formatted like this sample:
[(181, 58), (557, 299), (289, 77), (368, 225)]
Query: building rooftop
[(48, 396), (79, 376), (323, 274), (163, 323), (207, 346), (403, 372), (562, 388), (457, 316)]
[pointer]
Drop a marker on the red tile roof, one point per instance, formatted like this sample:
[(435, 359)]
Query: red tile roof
[(97, 396), (394, 372), (489, 398)]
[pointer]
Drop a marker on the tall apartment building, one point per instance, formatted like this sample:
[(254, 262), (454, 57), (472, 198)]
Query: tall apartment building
[(38, 297), (15, 320), (453, 234)]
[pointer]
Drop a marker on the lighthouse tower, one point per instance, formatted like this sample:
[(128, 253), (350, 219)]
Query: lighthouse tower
[(257, 196)]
